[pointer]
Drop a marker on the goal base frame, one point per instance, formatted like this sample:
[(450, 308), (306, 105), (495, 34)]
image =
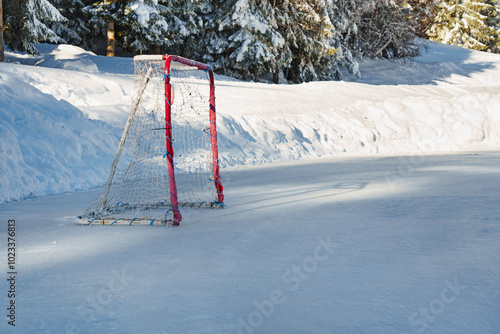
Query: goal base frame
[(108, 221), (125, 221)]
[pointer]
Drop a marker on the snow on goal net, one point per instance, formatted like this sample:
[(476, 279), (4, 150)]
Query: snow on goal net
[(167, 158)]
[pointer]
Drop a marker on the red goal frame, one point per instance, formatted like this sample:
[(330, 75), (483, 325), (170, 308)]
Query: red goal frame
[(168, 132)]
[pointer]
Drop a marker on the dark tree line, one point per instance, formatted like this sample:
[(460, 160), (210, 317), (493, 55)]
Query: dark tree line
[(292, 40)]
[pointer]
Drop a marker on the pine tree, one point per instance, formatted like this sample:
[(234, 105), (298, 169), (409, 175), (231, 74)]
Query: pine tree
[(215, 38), (189, 23), (41, 14), (74, 30), (385, 29), (307, 30), (421, 13), (255, 45), (2, 51), (460, 22), (493, 21), (341, 13), (26, 23), (140, 24), (145, 26), (15, 28)]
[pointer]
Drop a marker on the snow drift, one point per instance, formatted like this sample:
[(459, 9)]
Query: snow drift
[(47, 145), (61, 120)]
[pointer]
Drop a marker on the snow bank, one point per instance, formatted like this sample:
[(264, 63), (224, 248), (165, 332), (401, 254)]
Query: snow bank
[(47, 146), (403, 125), (53, 138)]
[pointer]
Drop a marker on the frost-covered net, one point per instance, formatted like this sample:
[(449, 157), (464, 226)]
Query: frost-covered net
[(138, 186)]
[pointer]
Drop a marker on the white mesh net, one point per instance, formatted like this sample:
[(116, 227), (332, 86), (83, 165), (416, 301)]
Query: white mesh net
[(138, 187)]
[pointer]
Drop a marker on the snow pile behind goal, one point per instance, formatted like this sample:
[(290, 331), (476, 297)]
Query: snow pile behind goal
[(47, 146)]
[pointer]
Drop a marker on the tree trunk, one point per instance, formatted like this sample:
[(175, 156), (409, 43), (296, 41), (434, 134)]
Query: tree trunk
[(276, 74), (2, 51), (111, 39), (256, 75), (296, 76)]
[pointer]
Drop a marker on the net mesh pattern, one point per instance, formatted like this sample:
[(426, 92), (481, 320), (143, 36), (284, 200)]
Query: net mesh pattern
[(139, 185)]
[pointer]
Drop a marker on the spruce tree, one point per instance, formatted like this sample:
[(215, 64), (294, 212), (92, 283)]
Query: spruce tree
[(385, 29), (255, 45), (307, 30), (140, 25), (74, 30), (27, 22), (214, 42), (16, 33), (421, 13), (342, 14), (41, 14), (188, 25), (460, 22), (2, 50), (493, 21), (144, 25)]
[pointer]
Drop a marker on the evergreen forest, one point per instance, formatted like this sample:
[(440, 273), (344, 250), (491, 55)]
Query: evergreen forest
[(281, 40)]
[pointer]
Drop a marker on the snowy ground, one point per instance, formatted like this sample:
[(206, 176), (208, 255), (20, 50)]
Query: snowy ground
[(396, 229)]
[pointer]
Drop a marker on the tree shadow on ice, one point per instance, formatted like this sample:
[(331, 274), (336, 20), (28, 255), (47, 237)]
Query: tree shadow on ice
[(414, 187), (302, 194)]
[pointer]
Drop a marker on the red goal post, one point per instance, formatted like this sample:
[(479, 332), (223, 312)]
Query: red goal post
[(168, 132)]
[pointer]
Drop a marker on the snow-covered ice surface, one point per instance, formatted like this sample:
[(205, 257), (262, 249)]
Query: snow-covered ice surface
[(344, 245), (378, 212)]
